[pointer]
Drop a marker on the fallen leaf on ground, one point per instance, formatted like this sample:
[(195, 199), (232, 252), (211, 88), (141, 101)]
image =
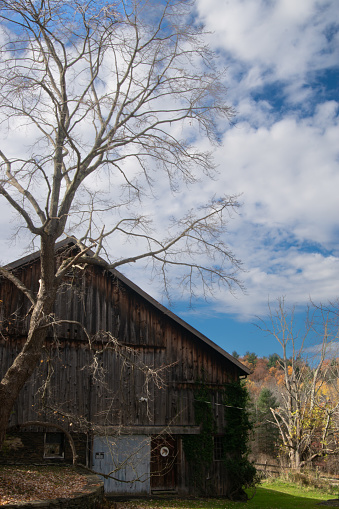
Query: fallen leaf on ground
[(25, 484)]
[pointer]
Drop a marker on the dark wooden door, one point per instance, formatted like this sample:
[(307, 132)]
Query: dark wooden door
[(163, 463)]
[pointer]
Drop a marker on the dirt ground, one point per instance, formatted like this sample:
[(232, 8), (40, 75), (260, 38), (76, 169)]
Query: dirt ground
[(28, 483)]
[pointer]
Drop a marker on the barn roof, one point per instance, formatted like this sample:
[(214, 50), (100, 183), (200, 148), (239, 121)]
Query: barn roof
[(69, 242)]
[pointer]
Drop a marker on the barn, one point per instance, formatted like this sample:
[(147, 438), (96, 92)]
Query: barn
[(137, 391)]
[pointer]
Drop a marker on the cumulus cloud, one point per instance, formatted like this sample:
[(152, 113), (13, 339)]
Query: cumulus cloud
[(267, 43)]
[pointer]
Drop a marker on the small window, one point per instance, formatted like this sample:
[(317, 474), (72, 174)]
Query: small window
[(218, 448), (54, 446)]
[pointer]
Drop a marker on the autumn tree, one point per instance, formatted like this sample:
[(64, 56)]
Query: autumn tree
[(116, 92), (250, 360), (273, 360), (307, 414)]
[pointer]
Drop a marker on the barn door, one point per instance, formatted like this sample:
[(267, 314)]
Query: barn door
[(128, 457), (163, 464)]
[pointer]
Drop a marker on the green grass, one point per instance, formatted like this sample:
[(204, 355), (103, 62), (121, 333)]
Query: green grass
[(286, 497), (269, 495)]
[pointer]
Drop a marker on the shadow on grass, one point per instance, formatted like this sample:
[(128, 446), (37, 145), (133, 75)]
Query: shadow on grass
[(272, 499)]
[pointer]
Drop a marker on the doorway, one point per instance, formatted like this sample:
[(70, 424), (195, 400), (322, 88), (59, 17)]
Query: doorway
[(164, 453)]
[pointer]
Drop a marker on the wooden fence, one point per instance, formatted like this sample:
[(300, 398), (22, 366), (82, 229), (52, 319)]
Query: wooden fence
[(268, 470)]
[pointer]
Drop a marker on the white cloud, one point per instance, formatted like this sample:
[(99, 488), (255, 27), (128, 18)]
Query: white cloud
[(287, 172), (274, 41)]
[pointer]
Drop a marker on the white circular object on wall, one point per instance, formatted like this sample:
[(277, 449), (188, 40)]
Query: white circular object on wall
[(164, 451)]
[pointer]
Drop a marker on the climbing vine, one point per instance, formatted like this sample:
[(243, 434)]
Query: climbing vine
[(199, 448), (241, 472)]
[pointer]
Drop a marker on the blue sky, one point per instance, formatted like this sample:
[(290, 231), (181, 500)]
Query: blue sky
[(281, 156)]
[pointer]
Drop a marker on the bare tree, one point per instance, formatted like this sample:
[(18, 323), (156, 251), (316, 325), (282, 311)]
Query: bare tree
[(307, 415), (118, 91)]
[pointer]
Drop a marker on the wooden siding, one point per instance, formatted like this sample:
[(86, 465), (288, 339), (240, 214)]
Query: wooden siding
[(102, 302)]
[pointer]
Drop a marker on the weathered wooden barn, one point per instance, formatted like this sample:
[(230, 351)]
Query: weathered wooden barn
[(125, 377)]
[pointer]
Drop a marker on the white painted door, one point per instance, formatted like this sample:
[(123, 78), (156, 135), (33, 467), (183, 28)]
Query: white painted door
[(127, 458)]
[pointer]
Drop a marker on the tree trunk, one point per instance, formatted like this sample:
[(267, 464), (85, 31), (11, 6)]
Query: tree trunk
[(295, 460), (27, 360)]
